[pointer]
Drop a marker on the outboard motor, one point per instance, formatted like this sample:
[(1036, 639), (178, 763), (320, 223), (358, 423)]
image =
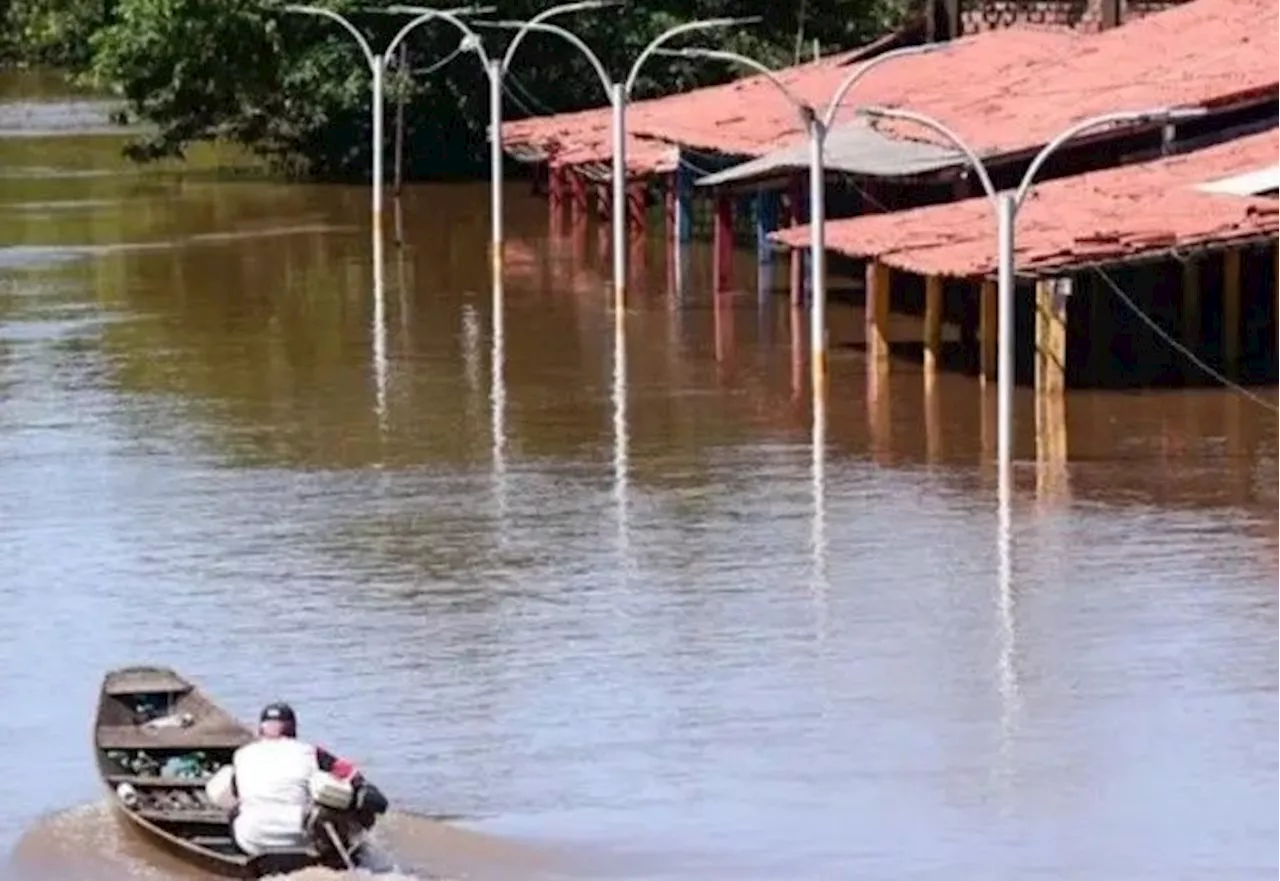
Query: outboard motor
[(370, 804), (343, 809)]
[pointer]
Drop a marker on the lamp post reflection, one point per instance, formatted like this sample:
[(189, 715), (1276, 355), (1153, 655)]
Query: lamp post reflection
[(1010, 700), (380, 341), (818, 534), (621, 438), (498, 404)]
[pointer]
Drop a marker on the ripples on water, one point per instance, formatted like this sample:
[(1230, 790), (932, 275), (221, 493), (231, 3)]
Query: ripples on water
[(191, 473)]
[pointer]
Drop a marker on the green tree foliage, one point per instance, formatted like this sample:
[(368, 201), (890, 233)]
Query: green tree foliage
[(294, 89), (51, 32)]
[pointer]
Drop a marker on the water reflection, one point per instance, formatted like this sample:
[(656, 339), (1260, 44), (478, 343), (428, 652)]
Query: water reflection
[(1006, 665), (498, 400), (1053, 487), (191, 432), (818, 537), (380, 333), (797, 352), (621, 435), (677, 274)]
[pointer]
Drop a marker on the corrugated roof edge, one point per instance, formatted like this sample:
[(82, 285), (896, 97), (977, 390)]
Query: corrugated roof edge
[(852, 148)]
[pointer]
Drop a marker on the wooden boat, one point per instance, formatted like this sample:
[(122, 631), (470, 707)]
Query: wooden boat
[(157, 740)]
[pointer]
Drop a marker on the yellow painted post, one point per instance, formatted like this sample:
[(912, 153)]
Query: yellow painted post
[(932, 419), (1051, 336), (932, 323), (877, 319), (1231, 311), (879, 423), (1051, 448), (987, 328)]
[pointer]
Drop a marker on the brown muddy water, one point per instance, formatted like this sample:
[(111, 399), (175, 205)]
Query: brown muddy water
[(619, 618)]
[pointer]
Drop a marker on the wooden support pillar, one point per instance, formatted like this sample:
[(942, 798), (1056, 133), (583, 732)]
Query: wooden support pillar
[(670, 209), (723, 242), (638, 263), (1231, 312), (987, 412), (604, 213), (988, 316), (879, 279), (637, 206), (932, 419), (1052, 478), (797, 353), (579, 211), (932, 323), (717, 323), (879, 423), (1051, 336), (795, 272), (670, 223), (766, 213), (796, 212), (579, 207), (555, 198), (683, 178)]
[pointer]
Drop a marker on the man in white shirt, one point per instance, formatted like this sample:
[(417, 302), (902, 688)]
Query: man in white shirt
[(271, 783)]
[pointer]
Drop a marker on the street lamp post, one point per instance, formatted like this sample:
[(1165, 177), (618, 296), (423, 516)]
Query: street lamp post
[(377, 67), (617, 93), (402, 62), (817, 125), (495, 69), (1006, 207)]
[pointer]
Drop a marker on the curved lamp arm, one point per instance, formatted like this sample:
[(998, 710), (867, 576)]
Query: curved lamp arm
[(672, 33), (563, 9), (470, 39), (1163, 114), (833, 106), (563, 34), (935, 126), (807, 115), (443, 62), (369, 55)]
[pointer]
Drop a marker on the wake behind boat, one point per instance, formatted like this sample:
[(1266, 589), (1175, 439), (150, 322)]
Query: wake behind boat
[(159, 740)]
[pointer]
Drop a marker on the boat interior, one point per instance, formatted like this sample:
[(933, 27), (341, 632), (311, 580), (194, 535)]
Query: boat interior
[(158, 741)]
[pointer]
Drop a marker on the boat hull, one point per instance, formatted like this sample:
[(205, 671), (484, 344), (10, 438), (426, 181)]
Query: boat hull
[(157, 738)]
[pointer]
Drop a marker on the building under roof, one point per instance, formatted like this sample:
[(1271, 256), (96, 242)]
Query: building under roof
[(1105, 217), (854, 148), (1210, 53)]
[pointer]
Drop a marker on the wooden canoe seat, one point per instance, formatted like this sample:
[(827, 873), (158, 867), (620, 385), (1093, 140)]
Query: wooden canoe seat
[(212, 816), (156, 782), (204, 734), (145, 680)]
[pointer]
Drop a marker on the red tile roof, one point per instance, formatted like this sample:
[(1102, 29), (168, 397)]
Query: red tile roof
[(1201, 53), (749, 116), (1103, 216), (1005, 90), (758, 119), (586, 128), (643, 156)]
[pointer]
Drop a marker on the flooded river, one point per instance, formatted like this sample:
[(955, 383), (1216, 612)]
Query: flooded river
[(615, 617)]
